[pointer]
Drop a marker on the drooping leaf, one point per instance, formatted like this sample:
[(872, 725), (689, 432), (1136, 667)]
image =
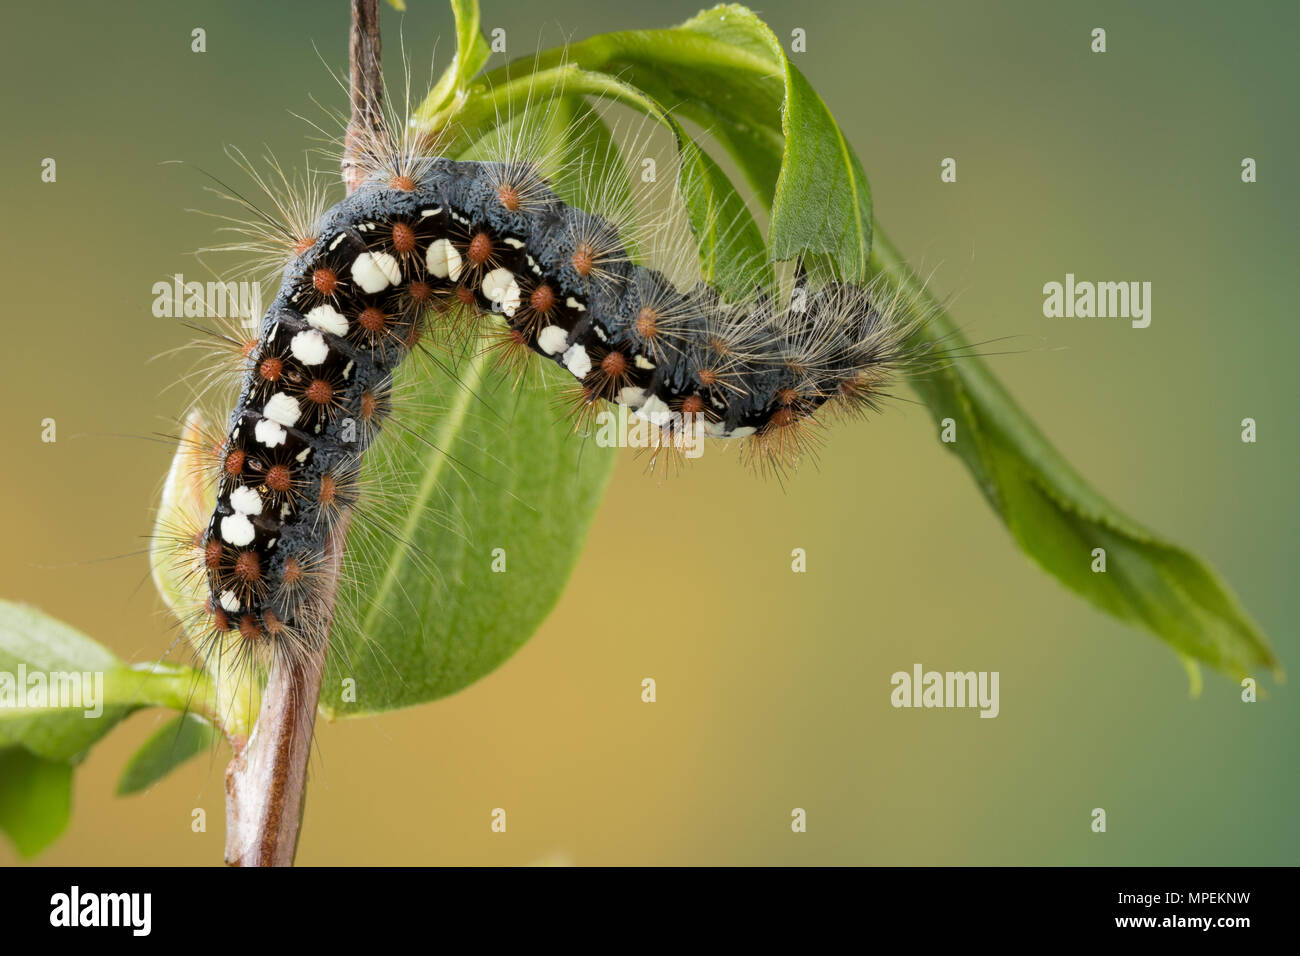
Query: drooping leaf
[(35, 799), (1059, 519), (166, 749)]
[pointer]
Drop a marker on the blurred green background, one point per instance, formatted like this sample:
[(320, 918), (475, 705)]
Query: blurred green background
[(773, 688)]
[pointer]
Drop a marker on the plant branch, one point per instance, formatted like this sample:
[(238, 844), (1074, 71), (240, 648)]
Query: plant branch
[(266, 781), (366, 83)]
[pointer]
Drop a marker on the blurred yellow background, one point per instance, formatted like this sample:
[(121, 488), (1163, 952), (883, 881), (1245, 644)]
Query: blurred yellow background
[(773, 687)]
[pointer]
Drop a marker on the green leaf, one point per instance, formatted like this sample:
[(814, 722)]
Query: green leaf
[(35, 799), (491, 470), (761, 109), (821, 202), (1059, 519), (170, 746), (472, 51), (732, 251), (60, 691), (230, 695), (43, 661)]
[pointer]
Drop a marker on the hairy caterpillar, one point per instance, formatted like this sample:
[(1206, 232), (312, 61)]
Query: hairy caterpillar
[(424, 239)]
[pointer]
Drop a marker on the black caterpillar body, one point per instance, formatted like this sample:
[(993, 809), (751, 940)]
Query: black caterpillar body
[(351, 305)]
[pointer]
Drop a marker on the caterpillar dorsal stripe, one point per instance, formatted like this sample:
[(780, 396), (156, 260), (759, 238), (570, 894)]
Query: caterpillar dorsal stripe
[(494, 237)]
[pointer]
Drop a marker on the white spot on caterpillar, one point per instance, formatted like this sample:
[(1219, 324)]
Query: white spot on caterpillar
[(655, 411), (601, 333), (246, 501), (577, 361), (376, 271), (552, 339), (236, 529), (347, 370), (302, 455), (282, 408), (337, 239), (284, 510), (573, 303), (643, 362), (500, 286), (431, 212), (631, 396), (443, 259), (328, 319), (514, 243), (496, 282), (271, 543), (269, 433), (715, 429), (229, 601), (744, 431), (510, 304), (309, 347)]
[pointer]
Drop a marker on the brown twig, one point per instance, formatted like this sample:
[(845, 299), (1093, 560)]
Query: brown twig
[(266, 781), (366, 82)]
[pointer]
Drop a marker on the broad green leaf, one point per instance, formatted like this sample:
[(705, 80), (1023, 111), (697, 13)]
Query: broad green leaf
[(490, 468), (35, 799), (1059, 519), (492, 476), (170, 746)]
